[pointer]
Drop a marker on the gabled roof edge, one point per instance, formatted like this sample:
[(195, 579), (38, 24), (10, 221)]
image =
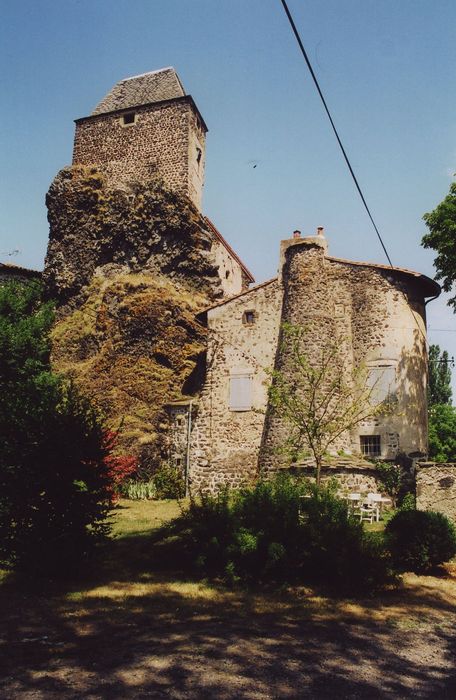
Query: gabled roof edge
[(432, 284), (225, 243), (237, 296)]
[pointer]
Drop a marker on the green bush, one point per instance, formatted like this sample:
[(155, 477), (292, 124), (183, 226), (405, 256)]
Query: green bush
[(281, 530), (408, 502), (420, 540), (169, 482)]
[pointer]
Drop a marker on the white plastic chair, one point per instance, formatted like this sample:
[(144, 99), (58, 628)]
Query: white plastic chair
[(375, 501)]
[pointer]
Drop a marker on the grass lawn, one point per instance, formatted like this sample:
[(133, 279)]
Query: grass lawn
[(129, 629)]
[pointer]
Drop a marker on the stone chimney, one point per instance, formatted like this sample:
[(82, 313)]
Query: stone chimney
[(308, 242)]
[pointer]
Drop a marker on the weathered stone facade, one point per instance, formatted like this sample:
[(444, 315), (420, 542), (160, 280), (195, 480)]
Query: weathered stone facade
[(225, 442), (376, 315), (352, 475), (436, 487), (166, 140)]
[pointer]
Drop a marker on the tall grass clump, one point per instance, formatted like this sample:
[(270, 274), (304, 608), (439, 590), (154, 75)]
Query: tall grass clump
[(139, 490)]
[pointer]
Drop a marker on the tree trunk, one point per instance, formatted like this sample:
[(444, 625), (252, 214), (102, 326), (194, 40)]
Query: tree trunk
[(318, 461)]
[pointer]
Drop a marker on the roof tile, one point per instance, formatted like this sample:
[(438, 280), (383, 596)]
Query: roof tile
[(156, 86)]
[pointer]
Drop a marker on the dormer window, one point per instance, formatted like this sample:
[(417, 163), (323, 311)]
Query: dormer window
[(128, 119)]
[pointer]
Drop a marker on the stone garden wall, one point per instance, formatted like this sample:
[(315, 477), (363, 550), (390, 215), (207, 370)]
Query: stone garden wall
[(436, 487)]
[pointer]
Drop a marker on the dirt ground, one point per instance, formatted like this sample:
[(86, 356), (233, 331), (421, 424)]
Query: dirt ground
[(159, 637)]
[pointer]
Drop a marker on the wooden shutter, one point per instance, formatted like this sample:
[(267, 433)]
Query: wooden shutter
[(241, 392), (382, 382)]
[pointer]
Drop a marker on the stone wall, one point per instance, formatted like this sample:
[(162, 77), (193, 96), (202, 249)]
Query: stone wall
[(225, 442), (230, 272), (349, 478), (166, 139), (436, 487)]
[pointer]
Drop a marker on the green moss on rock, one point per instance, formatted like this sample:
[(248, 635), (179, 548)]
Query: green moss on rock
[(129, 270)]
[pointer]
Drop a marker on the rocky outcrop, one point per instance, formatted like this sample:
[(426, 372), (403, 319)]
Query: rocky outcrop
[(140, 228), (129, 269)]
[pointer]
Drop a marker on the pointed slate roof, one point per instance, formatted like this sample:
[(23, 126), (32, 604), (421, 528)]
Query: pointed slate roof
[(156, 86)]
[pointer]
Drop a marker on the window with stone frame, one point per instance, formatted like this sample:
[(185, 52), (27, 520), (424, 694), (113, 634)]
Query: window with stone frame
[(128, 119), (371, 445), (249, 317)]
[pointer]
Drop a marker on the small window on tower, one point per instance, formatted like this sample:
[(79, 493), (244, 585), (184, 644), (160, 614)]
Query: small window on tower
[(129, 118), (249, 318), (199, 154)]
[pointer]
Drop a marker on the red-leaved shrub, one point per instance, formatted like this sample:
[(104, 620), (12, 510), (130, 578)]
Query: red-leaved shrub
[(120, 467)]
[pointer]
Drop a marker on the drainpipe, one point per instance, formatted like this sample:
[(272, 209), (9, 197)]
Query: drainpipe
[(187, 462), (426, 301)]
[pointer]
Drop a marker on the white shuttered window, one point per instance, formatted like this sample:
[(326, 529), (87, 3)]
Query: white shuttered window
[(382, 382), (240, 391)]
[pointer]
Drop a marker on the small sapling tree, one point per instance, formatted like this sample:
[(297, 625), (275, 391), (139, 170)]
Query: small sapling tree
[(318, 399)]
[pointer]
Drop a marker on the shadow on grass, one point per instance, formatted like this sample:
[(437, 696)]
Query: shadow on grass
[(136, 628)]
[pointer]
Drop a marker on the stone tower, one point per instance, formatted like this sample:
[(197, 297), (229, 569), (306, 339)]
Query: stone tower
[(146, 126)]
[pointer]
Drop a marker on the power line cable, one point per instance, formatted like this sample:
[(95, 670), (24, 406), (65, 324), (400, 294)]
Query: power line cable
[(344, 153)]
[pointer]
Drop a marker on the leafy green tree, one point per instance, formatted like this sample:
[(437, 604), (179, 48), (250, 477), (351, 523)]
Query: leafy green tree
[(442, 238), (442, 433), (439, 389), (317, 399), (54, 477)]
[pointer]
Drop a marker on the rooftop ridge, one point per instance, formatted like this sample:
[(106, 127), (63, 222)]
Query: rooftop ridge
[(232, 252), (145, 88), (237, 296), (428, 280), (149, 72)]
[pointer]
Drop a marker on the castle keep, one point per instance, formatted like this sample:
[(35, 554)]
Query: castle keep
[(146, 126), (158, 315)]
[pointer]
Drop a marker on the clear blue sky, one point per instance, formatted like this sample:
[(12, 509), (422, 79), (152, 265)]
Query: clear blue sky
[(387, 68)]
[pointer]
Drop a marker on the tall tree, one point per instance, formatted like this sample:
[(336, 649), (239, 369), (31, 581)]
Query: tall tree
[(442, 433), (54, 477), (442, 238), (439, 388)]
